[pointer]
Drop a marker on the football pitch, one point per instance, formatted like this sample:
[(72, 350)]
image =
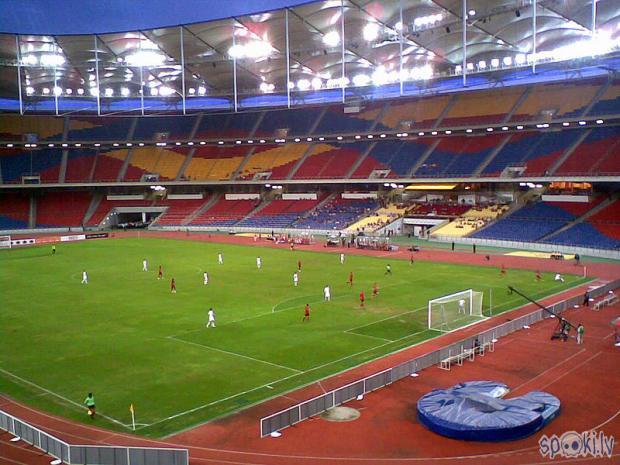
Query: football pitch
[(125, 337)]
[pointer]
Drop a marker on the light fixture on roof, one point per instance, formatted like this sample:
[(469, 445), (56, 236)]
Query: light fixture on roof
[(321, 138), (30, 60), (262, 141), (251, 49), (303, 84), (468, 130), (448, 132), (507, 61), (482, 64), (9, 145), (504, 128), (192, 91), (405, 134), (177, 143), (109, 92), (97, 144), (124, 91), (331, 39), (361, 80), (420, 133), (220, 142), (266, 87), (52, 59), (520, 59), (46, 91), (237, 142), (94, 91), (458, 69), (370, 32), (309, 139), (154, 91), (29, 90), (50, 145), (358, 137), (471, 12), (470, 66), (145, 58), (599, 121), (494, 62), (422, 72), (339, 137), (316, 83), (519, 127), (141, 144), (78, 145), (582, 123), (489, 129), (429, 20), (565, 123), (115, 144), (166, 91), (202, 142), (68, 91), (433, 133), (190, 143), (382, 136), (202, 90), (297, 139), (160, 144), (370, 136), (129, 144), (64, 145)]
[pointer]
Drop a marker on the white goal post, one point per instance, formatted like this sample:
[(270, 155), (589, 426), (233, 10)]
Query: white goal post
[(5, 242), (452, 311)]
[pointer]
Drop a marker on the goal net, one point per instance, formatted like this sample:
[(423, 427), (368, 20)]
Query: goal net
[(455, 310), (5, 242)]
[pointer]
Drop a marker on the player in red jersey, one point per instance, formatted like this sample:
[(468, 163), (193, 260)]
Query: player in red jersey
[(411, 260), (173, 286), (306, 313), (350, 279), (299, 266), (375, 290), (362, 298), (503, 270), (538, 276), (160, 273)]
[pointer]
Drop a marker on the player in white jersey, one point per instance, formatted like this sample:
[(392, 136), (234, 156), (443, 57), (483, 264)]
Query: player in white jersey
[(327, 294), (211, 315), (220, 258), (145, 265), (259, 263), (462, 306), (295, 278), (559, 277), (342, 259), (205, 277), (84, 277)]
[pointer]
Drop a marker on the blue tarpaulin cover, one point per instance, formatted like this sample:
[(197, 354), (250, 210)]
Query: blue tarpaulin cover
[(476, 411)]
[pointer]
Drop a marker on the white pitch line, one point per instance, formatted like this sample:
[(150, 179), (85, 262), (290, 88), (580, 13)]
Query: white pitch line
[(368, 335), (203, 346), (69, 401)]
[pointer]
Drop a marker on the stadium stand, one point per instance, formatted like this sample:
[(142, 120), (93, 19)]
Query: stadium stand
[(609, 102), (470, 221), (286, 123), (14, 210), (335, 121), (399, 156), (62, 209), (215, 163), (325, 161), (80, 165), (382, 217), (280, 213), (44, 162), (482, 107), (224, 213), (105, 206), (14, 127), (102, 129), (179, 211), (338, 213), (414, 114), (278, 160)]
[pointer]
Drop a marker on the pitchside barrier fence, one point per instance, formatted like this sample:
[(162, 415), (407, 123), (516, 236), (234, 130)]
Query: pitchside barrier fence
[(90, 454), (319, 404)]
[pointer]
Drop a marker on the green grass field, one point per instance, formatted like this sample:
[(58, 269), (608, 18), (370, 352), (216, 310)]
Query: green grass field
[(128, 339)]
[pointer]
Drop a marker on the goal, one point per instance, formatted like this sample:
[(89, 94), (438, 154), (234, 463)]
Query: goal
[(455, 310), (5, 242)]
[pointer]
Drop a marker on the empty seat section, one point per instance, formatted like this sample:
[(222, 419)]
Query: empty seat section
[(400, 156), (178, 211), (286, 123), (80, 165), (108, 165), (556, 100), (607, 221), (609, 103), (14, 211), (280, 213), (458, 156), (163, 161), (215, 163), (62, 209), (224, 213), (421, 113), (335, 120), (45, 162), (336, 214), (164, 128), (527, 224), (326, 161), (99, 129), (534, 151), (214, 125), (48, 128), (585, 235), (277, 159), (600, 144), (482, 107)]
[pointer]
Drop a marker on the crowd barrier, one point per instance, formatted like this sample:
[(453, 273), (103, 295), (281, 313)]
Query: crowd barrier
[(309, 408), (90, 454)]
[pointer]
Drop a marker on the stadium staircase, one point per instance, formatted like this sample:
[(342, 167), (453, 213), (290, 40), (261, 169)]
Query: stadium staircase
[(364, 154), (65, 153), (308, 151), (129, 156), (593, 211), (190, 154), (32, 215), (568, 152), (237, 171), (491, 156), (425, 156), (264, 203), (445, 111), (94, 204), (318, 206), (597, 97), (208, 204)]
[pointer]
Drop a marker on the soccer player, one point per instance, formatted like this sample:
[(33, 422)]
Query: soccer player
[(295, 278), (503, 271), (53, 250), (259, 262), (299, 266), (327, 294), (411, 260), (160, 272), (220, 259), (145, 265), (84, 277), (342, 259), (580, 331), (90, 405), (306, 313), (538, 276), (205, 277), (388, 269), (350, 279), (211, 316), (362, 298), (292, 246), (559, 277), (173, 286), (375, 290), (462, 306)]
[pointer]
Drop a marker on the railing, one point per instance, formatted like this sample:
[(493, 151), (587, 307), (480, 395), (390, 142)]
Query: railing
[(319, 404), (90, 454)]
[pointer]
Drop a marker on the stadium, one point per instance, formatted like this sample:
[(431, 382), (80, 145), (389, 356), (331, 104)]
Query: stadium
[(309, 232)]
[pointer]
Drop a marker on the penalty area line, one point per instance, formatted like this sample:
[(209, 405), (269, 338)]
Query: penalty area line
[(69, 401)]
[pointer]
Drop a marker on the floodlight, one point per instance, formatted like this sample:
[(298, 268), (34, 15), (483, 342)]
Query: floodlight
[(331, 39)]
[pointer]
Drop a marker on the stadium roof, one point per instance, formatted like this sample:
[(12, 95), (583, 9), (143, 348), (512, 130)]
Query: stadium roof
[(246, 52)]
